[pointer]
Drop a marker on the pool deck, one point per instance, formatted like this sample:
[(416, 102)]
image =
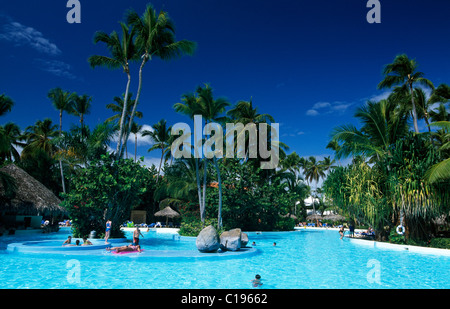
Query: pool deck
[(384, 245)]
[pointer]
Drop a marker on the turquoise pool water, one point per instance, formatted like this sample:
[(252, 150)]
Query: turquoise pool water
[(301, 259)]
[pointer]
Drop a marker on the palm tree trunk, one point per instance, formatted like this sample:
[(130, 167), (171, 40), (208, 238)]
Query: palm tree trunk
[(60, 162), (314, 205), (219, 216), (138, 94), (122, 118), (199, 191), (414, 112), (160, 163), (135, 146), (205, 160), (429, 128), (62, 176)]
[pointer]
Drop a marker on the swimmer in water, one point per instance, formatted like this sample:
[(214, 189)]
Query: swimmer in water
[(257, 281)]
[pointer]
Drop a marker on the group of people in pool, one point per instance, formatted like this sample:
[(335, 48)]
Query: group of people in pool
[(134, 246), (68, 242)]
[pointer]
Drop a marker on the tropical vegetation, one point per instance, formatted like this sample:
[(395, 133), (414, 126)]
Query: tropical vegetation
[(398, 177), (399, 174)]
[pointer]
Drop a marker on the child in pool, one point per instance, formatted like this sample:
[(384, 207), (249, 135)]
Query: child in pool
[(257, 281)]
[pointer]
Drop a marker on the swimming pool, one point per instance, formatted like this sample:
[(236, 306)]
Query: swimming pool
[(300, 259)]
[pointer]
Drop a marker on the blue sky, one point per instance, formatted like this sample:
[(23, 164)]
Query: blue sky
[(307, 63)]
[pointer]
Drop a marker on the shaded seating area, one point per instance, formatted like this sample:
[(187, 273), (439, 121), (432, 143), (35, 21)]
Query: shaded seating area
[(30, 204)]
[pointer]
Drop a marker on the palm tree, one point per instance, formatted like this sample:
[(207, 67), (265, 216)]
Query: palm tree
[(243, 112), (443, 92), (39, 137), (81, 106), (334, 145), (122, 51), (441, 170), (181, 185), (190, 107), (118, 107), (314, 172), (8, 182), (155, 38), (82, 146), (382, 126), (211, 109), (135, 129), (160, 136), (327, 164), (62, 101), (403, 71), (6, 104), (440, 113), (291, 163), (9, 136)]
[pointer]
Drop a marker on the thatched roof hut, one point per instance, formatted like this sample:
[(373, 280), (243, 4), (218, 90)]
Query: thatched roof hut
[(168, 213), (332, 217), (31, 198)]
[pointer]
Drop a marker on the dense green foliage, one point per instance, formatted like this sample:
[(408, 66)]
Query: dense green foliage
[(397, 177), (106, 190)]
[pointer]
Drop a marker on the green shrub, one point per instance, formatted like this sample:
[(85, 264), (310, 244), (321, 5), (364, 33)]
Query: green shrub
[(443, 243), (395, 238), (284, 224), (193, 226)]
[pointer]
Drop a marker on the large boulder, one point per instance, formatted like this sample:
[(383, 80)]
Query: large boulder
[(231, 240), (244, 239), (208, 240)]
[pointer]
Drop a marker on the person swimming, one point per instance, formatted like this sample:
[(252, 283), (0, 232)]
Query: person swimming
[(257, 281), (68, 241), (86, 242)]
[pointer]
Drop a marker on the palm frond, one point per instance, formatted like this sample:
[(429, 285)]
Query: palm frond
[(439, 171)]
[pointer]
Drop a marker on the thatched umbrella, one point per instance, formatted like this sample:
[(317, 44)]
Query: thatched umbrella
[(31, 197), (168, 213), (333, 217), (314, 217), (290, 216)]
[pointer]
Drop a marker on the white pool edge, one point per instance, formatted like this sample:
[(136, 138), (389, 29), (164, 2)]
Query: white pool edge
[(397, 247)]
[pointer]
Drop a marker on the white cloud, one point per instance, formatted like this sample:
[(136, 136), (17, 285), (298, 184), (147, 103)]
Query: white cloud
[(319, 105), (141, 140), (381, 96), (312, 112), (340, 107), (55, 67), (328, 108), (22, 35)]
